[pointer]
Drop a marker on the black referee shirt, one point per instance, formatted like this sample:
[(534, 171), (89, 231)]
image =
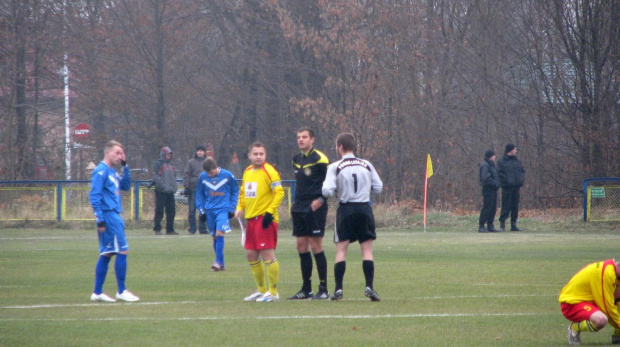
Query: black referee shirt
[(310, 170)]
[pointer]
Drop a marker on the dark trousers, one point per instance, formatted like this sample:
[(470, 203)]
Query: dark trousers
[(191, 215), (510, 204), (164, 201), (489, 207)]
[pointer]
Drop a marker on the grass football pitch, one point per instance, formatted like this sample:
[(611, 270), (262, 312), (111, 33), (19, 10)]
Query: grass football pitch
[(439, 288)]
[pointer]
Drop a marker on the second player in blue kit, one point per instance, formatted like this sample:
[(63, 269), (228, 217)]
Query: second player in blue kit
[(217, 192)]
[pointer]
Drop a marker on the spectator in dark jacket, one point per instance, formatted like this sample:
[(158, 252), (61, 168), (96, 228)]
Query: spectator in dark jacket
[(165, 180), (193, 169), (489, 180), (511, 177)]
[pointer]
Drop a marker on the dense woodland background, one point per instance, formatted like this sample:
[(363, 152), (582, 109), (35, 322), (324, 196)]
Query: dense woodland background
[(450, 78)]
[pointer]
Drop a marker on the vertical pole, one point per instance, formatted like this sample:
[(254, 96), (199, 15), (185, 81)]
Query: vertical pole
[(585, 200), (58, 201), (292, 197), (425, 189), (136, 201), (67, 120)]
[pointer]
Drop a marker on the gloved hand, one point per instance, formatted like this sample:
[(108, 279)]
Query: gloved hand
[(151, 184), (123, 162), (186, 191), (230, 215), (267, 219), (101, 226), (202, 217)]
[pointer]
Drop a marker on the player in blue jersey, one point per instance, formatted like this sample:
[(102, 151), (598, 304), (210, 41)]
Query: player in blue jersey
[(217, 193), (105, 198)]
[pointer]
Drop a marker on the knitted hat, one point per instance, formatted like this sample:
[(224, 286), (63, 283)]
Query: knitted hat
[(201, 148), (489, 154), (510, 147)]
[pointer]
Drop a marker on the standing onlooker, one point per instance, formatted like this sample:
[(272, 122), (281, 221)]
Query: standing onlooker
[(511, 176), (489, 180), (353, 179), (589, 300), (165, 180), (217, 193), (260, 195), (105, 198), (309, 214), (193, 169)]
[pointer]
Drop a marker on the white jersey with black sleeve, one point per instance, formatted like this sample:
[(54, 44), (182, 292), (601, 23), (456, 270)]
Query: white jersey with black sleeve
[(352, 180)]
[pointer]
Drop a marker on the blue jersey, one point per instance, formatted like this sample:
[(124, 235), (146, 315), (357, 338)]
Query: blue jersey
[(219, 192), (105, 189)]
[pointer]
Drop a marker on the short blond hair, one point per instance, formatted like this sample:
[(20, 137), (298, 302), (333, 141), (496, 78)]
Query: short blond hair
[(111, 144)]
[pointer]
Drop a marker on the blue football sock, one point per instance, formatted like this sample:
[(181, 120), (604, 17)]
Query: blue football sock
[(120, 267), (219, 250), (101, 271)]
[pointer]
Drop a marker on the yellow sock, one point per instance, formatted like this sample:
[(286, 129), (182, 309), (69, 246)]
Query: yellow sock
[(258, 271), (583, 326), (273, 274)]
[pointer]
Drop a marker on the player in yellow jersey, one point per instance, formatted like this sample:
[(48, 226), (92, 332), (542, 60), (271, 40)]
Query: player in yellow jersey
[(589, 300), (260, 196)]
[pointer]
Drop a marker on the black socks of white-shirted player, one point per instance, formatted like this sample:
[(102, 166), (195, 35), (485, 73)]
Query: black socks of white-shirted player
[(339, 269), (369, 272)]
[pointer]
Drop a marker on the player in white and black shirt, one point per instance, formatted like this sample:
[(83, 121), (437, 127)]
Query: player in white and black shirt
[(352, 180)]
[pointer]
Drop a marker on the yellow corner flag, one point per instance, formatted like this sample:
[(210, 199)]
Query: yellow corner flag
[(429, 167)]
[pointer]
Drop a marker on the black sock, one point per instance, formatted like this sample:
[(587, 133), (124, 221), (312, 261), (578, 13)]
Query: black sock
[(369, 272), (339, 270), (321, 267), (305, 260)]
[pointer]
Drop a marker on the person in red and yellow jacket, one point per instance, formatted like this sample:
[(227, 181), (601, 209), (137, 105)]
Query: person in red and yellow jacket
[(588, 300), (260, 196)]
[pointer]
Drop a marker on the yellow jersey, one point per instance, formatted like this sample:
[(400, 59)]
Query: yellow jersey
[(260, 192), (595, 283)]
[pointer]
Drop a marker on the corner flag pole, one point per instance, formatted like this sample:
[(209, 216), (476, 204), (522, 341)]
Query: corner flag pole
[(429, 173)]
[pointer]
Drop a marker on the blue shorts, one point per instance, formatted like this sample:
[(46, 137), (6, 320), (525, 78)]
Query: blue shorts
[(113, 239), (217, 220)]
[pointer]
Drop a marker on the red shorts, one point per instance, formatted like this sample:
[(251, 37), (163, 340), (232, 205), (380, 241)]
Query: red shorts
[(578, 312), (257, 238)]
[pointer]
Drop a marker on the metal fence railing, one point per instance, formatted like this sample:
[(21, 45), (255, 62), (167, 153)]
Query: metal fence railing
[(601, 199), (68, 201)]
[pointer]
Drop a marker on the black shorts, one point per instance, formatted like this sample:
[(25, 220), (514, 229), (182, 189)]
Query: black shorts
[(310, 223), (355, 222)]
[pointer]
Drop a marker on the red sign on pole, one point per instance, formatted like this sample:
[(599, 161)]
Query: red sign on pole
[(81, 131)]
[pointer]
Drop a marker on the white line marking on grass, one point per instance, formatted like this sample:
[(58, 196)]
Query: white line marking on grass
[(98, 304), (381, 316), (154, 303), (480, 296)]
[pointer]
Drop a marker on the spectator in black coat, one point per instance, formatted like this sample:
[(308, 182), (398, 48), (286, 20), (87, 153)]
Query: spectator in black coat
[(489, 180), (511, 177)]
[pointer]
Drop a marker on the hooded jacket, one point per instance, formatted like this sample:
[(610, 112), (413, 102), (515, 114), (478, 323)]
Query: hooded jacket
[(164, 173), (488, 175), (193, 169)]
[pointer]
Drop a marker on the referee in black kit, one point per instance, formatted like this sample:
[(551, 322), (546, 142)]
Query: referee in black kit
[(309, 213), (353, 179)]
